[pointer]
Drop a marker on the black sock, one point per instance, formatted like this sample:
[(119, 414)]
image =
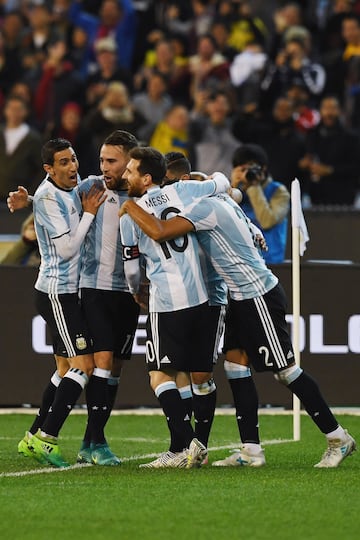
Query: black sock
[(204, 410), (177, 418), (66, 396), (308, 392), (96, 399), (246, 407), (176, 441), (47, 399)]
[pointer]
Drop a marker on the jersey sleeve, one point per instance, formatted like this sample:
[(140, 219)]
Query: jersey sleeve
[(130, 253), (200, 214)]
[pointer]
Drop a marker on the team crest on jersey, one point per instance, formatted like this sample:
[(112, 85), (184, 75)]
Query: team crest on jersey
[(81, 343)]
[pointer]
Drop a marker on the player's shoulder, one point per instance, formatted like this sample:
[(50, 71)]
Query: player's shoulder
[(85, 184)]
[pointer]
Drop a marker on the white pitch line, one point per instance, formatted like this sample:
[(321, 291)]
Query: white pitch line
[(48, 470), (45, 470)]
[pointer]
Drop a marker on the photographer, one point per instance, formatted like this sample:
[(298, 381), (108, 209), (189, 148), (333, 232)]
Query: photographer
[(265, 201)]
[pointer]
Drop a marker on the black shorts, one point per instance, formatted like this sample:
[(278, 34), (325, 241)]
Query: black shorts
[(112, 317), (258, 326), (66, 322), (180, 340)]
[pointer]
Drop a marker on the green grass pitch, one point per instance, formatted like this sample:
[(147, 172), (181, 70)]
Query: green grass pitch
[(285, 500)]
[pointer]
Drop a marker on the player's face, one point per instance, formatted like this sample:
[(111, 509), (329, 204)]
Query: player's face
[(113, 161), (65, 169), (135, 181)]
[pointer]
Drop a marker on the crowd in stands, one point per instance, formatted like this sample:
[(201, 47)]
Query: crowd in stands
[(197, 76)]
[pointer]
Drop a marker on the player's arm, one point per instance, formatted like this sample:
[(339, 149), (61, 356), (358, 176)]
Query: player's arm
[(69, 243), (157, 229), (19, 199)]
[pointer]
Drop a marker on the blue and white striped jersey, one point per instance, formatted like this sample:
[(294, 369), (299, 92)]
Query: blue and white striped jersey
[(56, 213), (215, 285), (173, 268), (224, 235), (102, 264)]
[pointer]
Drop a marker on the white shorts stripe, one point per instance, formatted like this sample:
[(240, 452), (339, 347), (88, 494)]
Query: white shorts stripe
[(270, 332), (61, 324), (219, 332)]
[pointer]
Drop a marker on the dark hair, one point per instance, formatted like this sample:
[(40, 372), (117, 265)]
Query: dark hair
[(20, 99), (51, 148), (121, 138), (151, 162), (177, 164), (249, 152)]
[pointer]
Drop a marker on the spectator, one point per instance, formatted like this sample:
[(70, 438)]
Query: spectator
[(265, 201), (278, 136), (331, 164), (114, 111), (19, 149), (245, 28), (155, 102), (167, 64), (107, 71), (25, 251), (292, 63), (40, 34), (246, 73), (171, 135), (220, 31), (11, 38), (71, 129), (59, 83), (116, 19), (305, 115), (212, 142), (208, 67)]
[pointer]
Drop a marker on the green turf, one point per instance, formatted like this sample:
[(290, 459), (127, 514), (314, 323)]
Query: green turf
[(286, 499)]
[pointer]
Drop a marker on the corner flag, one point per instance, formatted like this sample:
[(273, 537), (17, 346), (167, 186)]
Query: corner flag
[(300, 236), (297, 216)]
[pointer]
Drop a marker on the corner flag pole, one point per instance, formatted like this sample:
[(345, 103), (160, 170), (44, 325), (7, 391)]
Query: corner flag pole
[(299, 238)]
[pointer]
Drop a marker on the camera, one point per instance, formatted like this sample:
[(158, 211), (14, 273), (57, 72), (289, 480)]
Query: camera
[(253, 173)]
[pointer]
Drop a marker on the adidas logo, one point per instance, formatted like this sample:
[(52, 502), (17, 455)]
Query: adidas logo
[(112, 200), (165, 360), (73, 210), (290, 354)]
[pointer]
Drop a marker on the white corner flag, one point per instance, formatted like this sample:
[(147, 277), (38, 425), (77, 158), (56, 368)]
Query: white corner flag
[(297, 216), (300, 237)]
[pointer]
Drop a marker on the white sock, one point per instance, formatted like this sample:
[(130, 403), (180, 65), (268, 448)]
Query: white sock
[(338, 433), (255, 448)]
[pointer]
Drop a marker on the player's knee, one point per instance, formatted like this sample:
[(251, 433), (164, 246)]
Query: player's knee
[(236, 371), (204, 388), (288, 375)]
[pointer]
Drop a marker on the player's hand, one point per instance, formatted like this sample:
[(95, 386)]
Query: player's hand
[(124, 207), (18, 199), (142, 296), (92, 200), (260, 242)]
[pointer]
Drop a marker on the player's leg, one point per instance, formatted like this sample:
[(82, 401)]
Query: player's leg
[(46, 401), (209, 330), (70, 334), (275, 352), (238, 373), (166, 333)]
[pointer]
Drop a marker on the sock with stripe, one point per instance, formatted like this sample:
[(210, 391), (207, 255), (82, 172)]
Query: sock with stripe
[(66, 396), (46, 402), (97, 405), (245, 400), (308, 392), (176, 442), (204, 402), (175, 414)]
